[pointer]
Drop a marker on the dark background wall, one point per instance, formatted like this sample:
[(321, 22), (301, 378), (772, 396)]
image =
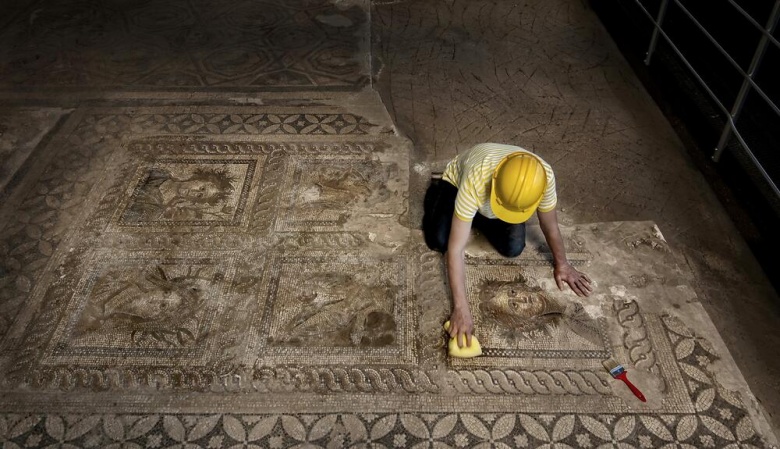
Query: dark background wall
[(698, 120)]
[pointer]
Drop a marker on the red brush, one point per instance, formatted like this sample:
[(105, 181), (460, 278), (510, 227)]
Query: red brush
[(618, 372)]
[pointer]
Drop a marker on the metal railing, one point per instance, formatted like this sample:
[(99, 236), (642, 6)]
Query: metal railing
[(748, 83)]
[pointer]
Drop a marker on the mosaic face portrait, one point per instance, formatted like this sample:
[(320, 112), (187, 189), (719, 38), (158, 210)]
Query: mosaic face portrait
[(517, 306), (165, 195), (521, 311)]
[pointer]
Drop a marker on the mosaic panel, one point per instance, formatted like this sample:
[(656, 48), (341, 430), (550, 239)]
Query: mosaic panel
[(339, 308), (519, 319), (146, 307), (295, 326), (322, 194), (193, 192)]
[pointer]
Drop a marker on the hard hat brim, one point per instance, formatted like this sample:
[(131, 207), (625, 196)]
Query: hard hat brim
[(508, 215)]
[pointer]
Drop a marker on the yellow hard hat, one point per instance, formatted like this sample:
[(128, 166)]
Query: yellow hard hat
[(518, 186)]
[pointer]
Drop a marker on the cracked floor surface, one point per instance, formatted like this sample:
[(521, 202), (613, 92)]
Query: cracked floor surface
[(201, 212)]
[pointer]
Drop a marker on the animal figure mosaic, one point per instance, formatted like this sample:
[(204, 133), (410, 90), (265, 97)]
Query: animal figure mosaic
[(339, 187), (155, 308), (339, 309)]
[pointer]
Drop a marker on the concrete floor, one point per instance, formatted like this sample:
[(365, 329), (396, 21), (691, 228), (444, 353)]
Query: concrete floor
[(543, 75)]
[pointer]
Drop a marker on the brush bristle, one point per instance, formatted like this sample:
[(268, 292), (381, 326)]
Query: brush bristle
[(613, 367), (609, 364)]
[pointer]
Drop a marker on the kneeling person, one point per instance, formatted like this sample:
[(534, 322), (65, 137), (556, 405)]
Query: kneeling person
[(497, 188)]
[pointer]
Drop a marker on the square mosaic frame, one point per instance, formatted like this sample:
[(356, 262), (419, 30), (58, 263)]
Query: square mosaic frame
[(543, 312), (367, 275), (323, 194), (159, 171), (634, 337), (89, 334)]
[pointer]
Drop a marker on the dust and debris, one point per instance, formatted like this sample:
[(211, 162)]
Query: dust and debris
[(310, 194), (594, 310), (653, 243), (421, 169), (618, 290)]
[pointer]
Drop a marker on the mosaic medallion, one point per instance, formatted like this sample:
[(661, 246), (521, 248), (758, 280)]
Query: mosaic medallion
[(195, 192), (518, 319)]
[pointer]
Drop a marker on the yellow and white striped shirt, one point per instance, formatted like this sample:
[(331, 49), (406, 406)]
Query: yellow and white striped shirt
[(472, 173)]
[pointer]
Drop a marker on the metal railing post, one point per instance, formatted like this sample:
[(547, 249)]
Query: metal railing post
[(654, 38), (749, 83), (746, 83)]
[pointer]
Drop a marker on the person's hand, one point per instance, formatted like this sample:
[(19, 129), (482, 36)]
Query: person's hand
[(577, 281), (461, 326)]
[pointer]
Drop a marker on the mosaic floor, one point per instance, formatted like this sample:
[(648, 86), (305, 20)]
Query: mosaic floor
[(185, 266), (217, 279), (184, 44)]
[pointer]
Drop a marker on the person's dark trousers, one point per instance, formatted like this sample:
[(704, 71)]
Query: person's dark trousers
[(508, 239)]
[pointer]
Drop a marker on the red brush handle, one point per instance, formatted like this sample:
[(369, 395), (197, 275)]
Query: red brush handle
[(635, 390)]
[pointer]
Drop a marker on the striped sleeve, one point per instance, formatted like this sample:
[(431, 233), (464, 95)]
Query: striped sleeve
[(467, 202), (550, 197), (451, 172)]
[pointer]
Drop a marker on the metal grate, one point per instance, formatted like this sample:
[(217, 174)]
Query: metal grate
[(732, 114)]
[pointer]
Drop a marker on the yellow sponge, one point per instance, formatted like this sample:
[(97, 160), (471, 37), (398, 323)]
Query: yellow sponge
[(466, 352)]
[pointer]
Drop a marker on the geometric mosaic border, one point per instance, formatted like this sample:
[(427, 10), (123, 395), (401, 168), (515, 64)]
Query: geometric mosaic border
[(377, 430), (718, 420), (574, 385)]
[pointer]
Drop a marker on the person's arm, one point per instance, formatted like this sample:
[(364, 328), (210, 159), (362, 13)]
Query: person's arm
[(461, 321), (564, 272)]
